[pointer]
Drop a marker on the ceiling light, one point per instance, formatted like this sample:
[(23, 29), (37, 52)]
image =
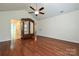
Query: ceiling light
[(36, 12)]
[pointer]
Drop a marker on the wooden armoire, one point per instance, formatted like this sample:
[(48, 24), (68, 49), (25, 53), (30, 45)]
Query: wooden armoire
[(27, 28)]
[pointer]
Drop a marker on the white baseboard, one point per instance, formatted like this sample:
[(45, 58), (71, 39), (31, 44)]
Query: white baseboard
[(5, 40), (59, 38)]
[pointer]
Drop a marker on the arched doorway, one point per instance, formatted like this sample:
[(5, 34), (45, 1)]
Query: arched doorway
[(27, 28)]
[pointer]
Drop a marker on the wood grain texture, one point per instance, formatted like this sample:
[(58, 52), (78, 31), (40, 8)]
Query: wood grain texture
[(42, 47)]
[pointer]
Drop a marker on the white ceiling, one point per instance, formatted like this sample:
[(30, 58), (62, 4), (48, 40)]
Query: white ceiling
[(51, 9), (11, 6)]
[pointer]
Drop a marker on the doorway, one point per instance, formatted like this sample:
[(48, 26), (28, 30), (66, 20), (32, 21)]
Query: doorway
[(27, 28)]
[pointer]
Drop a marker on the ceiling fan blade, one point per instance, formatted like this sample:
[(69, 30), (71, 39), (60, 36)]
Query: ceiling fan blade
[(32, 8), (41, 13), (31, 12), (41, 8)]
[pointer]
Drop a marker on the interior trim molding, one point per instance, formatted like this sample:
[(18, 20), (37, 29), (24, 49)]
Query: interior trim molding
[(58, 39), (5, 40)]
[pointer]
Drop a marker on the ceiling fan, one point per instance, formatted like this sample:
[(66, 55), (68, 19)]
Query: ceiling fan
[(36, 12)]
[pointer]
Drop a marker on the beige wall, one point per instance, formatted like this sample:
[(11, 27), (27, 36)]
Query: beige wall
[(5, 24), (65, 27)]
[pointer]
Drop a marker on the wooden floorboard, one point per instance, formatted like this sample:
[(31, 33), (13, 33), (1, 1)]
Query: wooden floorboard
[(42, 47)]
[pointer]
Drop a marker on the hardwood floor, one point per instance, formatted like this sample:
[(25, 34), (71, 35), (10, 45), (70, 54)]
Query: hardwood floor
[(42, 47)]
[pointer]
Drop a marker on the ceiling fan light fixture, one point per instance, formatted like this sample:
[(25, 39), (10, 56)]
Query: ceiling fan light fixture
[(37, 12)]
